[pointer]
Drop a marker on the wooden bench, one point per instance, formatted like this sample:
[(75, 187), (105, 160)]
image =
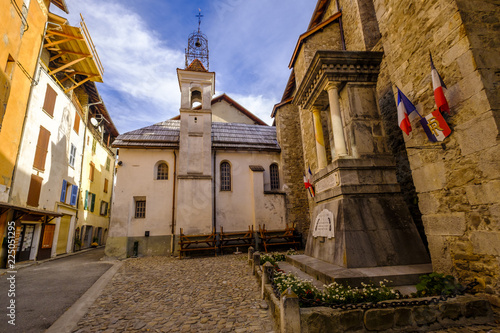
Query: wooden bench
[(236, 239), (189, 243), (279, 237)]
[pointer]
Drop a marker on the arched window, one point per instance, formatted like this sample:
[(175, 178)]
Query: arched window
[(275, 176), (225, 176), (162, 171)]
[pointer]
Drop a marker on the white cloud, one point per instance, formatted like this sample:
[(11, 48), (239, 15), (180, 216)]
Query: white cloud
[(250, 45), (140, 82)]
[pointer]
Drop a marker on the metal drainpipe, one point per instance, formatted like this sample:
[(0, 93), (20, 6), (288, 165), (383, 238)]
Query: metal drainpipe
[(172, 246), (214, 194), (38, 67)]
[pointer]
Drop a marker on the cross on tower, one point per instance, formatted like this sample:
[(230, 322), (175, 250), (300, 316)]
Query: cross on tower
[(199, 16)]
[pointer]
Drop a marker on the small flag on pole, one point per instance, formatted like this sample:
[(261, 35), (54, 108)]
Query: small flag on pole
[(307, 183), (405, 108), (439, 89), (435, 126)]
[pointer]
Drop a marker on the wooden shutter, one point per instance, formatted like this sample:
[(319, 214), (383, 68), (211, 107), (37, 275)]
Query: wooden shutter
[(106, 183), (48, 236), (34, 190), (50, 100), (63, 190), (41, 149), (86, 200), (74, 195), (76, 125)]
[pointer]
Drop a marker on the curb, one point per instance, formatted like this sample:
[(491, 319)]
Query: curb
[(39, 262), (69, 320)]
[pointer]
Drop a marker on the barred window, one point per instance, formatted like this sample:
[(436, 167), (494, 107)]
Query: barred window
[(225, 176), (162, 171), (275, 176), (140, 209)]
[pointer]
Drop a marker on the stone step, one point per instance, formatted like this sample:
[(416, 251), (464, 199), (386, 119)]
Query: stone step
[(326, 273)]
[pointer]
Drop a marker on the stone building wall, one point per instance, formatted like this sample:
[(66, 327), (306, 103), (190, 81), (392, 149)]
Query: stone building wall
[(458, 183), (455, 185), (288, 133)]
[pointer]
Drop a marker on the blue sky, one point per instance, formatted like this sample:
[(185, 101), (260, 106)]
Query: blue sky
[(141, 43)]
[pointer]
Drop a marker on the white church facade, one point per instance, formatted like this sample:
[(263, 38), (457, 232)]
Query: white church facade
[(215, 165)]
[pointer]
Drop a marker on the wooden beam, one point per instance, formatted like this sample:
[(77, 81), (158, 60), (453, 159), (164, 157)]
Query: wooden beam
[(79, 84), (58, 42), (57, 56), (57, 33), (69, 77), (71, 63)]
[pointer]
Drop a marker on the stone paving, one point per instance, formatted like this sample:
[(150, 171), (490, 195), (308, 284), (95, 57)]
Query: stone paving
[(163, 294)]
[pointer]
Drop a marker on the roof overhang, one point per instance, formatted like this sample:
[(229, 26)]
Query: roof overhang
[(336, 66), (61, 4), (184, 75), (28, 213), (311, 32), (72, 53), (277, 106)]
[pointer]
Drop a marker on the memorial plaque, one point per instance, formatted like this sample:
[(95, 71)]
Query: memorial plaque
[(324, 226), (328, 182)]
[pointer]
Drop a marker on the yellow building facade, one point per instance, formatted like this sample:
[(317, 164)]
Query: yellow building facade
[(22, 30)]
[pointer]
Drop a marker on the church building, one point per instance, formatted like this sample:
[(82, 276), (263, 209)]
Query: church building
[(215, 165)]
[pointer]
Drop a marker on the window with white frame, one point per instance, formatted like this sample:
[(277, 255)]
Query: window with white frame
[(72, 155), (275, 176), (225, 176)]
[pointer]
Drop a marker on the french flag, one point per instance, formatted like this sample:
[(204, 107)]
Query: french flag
[(405, 108), (307, 183), (439, 89)]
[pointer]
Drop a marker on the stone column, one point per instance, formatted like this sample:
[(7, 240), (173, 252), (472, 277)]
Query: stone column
[(320, 142), (290, 312), (337, 128)]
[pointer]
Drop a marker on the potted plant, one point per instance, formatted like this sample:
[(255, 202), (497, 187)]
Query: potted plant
[(95, 242), (78, 244)]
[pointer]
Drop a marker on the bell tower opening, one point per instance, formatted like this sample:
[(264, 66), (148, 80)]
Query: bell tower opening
[(196, 98)]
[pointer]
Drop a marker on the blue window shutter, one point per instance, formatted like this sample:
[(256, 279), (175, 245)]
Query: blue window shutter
[(63, 190), (85, 206), (74, 195), (93, 202)]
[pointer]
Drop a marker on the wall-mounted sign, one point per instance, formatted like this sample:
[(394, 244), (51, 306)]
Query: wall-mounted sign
[(324, 225)]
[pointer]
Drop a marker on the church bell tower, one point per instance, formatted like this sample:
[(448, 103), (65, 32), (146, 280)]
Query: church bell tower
[(197, 85)]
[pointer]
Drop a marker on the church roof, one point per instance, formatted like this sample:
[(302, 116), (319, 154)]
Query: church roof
[(225, 136), (244, 137), (160, 135), (196, 66)]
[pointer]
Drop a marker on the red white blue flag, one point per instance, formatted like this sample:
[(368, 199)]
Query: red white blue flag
[(307, 183), (405, 108), (439, 89), (435, 126)]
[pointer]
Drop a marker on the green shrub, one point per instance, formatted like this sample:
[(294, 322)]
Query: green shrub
[(302, 288), (273, 258), (437, 284)]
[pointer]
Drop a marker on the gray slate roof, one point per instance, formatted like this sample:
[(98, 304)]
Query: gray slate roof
[(225, 136), (160, 135)]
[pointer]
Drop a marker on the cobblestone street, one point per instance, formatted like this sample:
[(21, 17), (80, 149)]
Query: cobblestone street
[(163, 294)]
